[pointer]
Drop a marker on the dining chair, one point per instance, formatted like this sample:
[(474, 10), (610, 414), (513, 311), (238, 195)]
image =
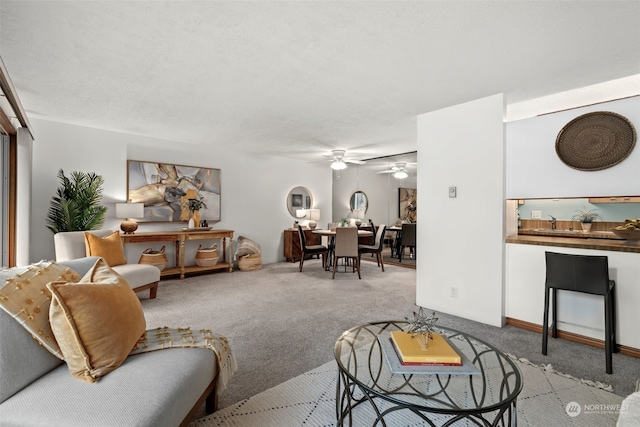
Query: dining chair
[(407, 239), (346, 247), (311, 250), (376, 248), (580, 273)]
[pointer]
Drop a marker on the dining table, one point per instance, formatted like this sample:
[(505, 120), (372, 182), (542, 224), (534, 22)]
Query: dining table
[(331, 234)]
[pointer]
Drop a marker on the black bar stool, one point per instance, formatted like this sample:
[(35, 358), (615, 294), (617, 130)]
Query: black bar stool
[(580, 273)]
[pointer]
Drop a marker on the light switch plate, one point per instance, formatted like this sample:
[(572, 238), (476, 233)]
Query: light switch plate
[(536, 214), (452, 192)]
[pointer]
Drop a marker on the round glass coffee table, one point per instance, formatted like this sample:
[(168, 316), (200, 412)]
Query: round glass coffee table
[(483, 392)]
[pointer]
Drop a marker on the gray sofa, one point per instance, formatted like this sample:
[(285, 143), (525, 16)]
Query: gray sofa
[(70, 245), (159, 388)]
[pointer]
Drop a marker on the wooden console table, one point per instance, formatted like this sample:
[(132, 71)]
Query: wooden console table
[(179, 238), (292, 250)]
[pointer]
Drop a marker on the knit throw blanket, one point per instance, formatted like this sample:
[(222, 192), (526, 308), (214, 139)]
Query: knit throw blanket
[(166, 338)]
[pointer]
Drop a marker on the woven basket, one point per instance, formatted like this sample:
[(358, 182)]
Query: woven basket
[(207, 257), (155, 258), (595, 141), (250, 262)]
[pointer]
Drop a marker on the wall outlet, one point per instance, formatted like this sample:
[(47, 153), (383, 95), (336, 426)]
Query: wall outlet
[(453, 292), (536, 214)]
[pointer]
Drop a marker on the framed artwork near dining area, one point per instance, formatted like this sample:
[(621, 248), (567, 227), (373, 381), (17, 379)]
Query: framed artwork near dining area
[(408, 204)]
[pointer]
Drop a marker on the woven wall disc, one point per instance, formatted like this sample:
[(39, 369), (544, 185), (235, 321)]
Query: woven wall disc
[(595, 141)]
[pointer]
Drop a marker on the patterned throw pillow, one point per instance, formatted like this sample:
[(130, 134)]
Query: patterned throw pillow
[(24, 295), (108, 247), (96, 321), (246, 247)]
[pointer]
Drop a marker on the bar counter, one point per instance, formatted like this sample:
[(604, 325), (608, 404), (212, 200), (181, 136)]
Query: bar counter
[(594, 240)]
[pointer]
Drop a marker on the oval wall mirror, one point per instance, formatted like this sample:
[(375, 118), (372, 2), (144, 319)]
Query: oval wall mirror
[(299, 198), (359, 202)]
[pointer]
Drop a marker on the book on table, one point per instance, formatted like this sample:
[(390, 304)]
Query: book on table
[(411, 352)]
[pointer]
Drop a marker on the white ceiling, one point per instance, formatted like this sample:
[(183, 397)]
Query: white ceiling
[(301, 78)]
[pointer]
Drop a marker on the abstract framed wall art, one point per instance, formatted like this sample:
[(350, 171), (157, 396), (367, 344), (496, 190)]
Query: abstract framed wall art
[(408, 204), (165, 190)]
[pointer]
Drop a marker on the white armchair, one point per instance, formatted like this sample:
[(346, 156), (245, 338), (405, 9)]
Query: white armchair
[(71, 245)]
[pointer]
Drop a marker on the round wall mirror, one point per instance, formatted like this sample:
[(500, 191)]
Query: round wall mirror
[(359, 202), (299, 198)]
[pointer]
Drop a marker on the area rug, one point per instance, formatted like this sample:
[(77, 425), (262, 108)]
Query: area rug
[(548, 398)]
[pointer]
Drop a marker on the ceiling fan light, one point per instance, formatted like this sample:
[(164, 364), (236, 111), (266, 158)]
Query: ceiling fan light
[(400, 174), (338, 165)]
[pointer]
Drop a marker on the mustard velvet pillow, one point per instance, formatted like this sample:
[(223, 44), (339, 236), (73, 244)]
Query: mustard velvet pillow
[(108, 247), (24, 296), (96, 321)]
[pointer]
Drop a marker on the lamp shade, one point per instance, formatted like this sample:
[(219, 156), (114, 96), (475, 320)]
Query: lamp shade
[(301, 213), (314, 214), (129, 210)]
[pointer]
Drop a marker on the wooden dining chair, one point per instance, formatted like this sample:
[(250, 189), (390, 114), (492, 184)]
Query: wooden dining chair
[(311, 250), (346, 246), (376, 248), (407, 239)]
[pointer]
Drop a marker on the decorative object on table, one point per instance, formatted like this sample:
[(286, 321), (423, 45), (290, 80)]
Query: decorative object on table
[(408, 204), (411, 351), (422, 326), (76, 204), (343, 222), (195, 204), (314, 215), (155, 258), (162, 187), (595, 141), (586, 217), (130, 212), (629, 231), (204, 224), (207, 257)]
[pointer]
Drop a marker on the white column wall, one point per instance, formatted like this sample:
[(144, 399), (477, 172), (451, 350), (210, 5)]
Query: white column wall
[(254, 187), (461, 240), (23, 199)]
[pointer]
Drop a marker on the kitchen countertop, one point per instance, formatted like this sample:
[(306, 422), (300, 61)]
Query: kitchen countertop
[(569, 239)]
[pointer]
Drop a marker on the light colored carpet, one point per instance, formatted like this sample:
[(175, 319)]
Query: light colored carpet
[(309, 400)]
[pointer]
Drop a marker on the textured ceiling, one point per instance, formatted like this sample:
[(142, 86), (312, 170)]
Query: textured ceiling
[(301, 78)]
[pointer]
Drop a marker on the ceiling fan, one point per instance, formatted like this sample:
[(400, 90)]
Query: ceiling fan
[(398, 170), (339, 160)]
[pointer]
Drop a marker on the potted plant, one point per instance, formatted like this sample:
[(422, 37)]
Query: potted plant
[(76, 204), (586, 217), (343, 222), (194, 206)]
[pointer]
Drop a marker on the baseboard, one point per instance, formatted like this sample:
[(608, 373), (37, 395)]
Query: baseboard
[(629, 351)]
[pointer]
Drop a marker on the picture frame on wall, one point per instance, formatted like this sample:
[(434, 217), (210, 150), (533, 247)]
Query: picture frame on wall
[(408, 204), (296, 200), (165, 190)]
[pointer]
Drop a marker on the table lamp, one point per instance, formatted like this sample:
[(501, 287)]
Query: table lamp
[(129, 211), (314, 215)]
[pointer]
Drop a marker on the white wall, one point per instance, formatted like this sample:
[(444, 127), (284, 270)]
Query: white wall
[(461, 240), (254, 187), (381, 191), (23, 201), (535, 171), (579, 313)]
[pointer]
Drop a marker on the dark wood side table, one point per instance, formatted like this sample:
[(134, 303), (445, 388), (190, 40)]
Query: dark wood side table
[(292, 250)]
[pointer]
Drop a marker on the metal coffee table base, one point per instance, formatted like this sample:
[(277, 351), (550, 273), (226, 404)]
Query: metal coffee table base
[(384, 409)]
